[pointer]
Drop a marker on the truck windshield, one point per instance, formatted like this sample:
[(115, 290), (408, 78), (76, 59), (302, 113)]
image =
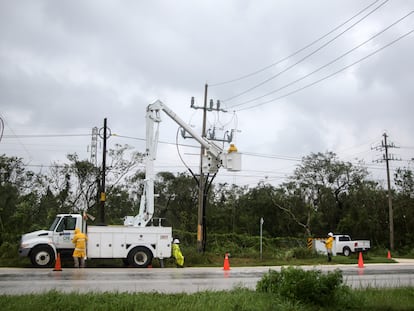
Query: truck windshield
[(54, 224)]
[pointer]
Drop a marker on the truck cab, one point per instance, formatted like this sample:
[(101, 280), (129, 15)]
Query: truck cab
[(42, 246)]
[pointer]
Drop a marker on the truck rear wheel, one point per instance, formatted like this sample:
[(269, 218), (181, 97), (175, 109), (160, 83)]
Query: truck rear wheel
[(346, 251), (140, 257), (42, 257)]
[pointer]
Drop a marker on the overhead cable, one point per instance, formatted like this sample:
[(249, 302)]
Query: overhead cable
[(326, 65), (294, 53), (306, 56), (330, 75), (45, 135)]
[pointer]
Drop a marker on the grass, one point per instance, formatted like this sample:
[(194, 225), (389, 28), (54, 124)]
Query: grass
[(194, 259), (387, 299), (237, 299)]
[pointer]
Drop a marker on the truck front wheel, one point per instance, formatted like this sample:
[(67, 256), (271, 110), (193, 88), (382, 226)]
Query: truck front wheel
[(42, 257), (346, 251), (140, 257)]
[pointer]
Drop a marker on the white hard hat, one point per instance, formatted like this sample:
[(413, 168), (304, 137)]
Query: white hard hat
[(176, 241), (330, 234)]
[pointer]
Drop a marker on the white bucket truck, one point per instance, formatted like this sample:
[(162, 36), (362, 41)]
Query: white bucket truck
[(138, 241), (137, 246)]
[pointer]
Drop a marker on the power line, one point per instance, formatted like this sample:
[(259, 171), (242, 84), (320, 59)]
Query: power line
[(306, 56), (296, 52), (330, 75), (45, 135), (288, 158), (20, 142), (327, 64)]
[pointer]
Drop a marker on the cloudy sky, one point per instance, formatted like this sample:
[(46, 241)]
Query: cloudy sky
[(295, 77)]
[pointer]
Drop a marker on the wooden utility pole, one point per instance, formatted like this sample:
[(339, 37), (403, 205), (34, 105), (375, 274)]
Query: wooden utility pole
[(387, 157), (201, 186), (390, 210), (205, 180), (102, 198)]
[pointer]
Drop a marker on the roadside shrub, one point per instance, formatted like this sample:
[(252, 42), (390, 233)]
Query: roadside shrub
[(304, 253), (309, 287), (8, 250)]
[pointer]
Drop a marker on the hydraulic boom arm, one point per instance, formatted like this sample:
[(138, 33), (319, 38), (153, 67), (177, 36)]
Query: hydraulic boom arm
[(213, 159)]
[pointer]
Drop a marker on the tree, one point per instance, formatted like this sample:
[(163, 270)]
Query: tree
[(20, 191), (224, 208), (404, 181), (176, 201), (76, 184), (118, 205), (292, 200), (403, 204), (366, 213), (321, 182)]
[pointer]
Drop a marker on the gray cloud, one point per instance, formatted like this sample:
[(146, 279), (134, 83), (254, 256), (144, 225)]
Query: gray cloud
[(65, 65)]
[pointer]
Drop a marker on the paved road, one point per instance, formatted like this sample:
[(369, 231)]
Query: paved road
[(189, 280)]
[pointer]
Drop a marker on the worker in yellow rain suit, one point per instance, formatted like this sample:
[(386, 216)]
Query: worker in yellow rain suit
[(176, 252), (328, 245), (79, 253)]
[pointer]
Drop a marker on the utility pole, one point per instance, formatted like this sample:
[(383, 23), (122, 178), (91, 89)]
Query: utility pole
[(385, 145), (102, 197), (201, 215), (203, 181)]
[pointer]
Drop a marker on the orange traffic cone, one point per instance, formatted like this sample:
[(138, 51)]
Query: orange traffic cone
[(360, 261), (226, 265), (389, 255), (58, 267)]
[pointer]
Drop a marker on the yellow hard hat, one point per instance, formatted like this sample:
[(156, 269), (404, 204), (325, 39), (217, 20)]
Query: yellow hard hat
[(232, 148)]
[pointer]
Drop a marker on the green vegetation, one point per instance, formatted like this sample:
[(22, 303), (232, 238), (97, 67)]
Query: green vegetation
[(323, 194), (308, 287)]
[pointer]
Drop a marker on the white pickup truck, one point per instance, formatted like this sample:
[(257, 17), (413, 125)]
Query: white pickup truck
[(342, 244)]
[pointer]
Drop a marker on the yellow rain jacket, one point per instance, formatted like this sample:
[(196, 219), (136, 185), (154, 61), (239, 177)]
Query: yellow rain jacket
[(176, 252), (80, 244), (328, 243)]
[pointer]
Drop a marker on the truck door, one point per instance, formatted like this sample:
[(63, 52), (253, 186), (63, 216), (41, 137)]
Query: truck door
[(64, 232)]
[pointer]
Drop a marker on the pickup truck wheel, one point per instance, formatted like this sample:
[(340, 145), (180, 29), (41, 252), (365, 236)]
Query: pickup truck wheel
[(42, 257), (140, 257), (346, 251)]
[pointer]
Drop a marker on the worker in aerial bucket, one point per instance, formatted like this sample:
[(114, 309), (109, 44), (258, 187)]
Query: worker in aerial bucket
[(79, 254), (176, 252)]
